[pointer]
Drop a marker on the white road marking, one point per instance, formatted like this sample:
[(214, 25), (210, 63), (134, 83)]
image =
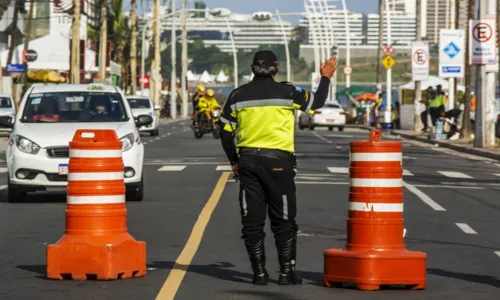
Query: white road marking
[(338, 170), (498, 165), (3, 170), (223, 168), (302, 177), (427, 200), (407, 173), (452, 174), (3, 187), (497, 174), (168, 134), (144, 143), (409, 157), (497, 253), (339, 135), (171, 168), (157, 138), (164, 136), (466, 228), (338, 147), (449, 186)]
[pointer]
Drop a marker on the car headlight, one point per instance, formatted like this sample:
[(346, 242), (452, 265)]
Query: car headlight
[(25, 145), (127, 141)]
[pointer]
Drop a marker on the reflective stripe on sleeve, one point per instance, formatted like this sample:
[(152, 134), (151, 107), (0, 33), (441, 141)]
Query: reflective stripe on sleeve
[(263, 102)]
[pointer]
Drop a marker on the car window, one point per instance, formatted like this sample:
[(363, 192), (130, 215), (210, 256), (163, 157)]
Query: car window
[(68, 107), (5, 102), (139, 103), (329, 105)]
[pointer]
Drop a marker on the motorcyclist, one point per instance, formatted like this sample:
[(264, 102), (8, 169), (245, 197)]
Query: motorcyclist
[(206, 104), (200, 92)]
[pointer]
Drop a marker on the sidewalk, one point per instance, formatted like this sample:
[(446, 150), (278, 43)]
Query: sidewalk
[(457, 145)]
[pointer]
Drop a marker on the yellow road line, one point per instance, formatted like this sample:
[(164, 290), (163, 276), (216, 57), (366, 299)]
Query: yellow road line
[(174, 279)]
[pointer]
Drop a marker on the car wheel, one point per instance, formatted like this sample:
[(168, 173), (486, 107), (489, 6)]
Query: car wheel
[(138, 194), (15, 195), (330, 128), (301, 127), (311, 126), (341, 128), (154, 133)]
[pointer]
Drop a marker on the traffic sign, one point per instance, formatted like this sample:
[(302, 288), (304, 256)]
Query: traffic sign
[(420, 60), (451, 53), (29, 56), (15, 68), (388, 62), (482, 41), (388, 50), (347, 70)]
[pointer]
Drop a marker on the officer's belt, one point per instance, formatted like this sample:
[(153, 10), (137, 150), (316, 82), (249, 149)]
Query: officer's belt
[(273, 153)]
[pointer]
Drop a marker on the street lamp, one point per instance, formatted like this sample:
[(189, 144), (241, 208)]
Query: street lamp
[(225, 14), (287, 51), (348, 46), (387, 114)]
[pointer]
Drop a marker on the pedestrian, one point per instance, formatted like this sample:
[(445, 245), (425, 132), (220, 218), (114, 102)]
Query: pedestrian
[(261, 115), (430, 94), (395, 116), (436, 105)]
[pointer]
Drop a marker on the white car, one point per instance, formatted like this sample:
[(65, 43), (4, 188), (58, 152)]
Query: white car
[(144, 106), (330, 115), (48, 116), (7, 113)]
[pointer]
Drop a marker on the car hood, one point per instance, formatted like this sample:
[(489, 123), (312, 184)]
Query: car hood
[(7, 111), (60, 134), (141, 111)]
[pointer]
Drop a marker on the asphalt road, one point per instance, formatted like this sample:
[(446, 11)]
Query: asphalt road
[(190, 222)]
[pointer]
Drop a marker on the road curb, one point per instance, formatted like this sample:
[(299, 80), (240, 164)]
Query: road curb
[(474, 151)]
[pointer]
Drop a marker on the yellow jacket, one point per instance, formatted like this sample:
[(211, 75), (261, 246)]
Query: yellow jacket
[(208, 103)]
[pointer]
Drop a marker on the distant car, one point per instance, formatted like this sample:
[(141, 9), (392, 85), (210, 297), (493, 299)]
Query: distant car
[(330, 115), (48, 116), (141, 105), (7, 113)]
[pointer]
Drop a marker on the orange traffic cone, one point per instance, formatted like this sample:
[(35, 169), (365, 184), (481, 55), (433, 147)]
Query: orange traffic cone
[(375, 252), (96, 244)]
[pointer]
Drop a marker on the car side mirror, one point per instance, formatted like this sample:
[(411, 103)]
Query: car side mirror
[(143, 120), (6, 124)]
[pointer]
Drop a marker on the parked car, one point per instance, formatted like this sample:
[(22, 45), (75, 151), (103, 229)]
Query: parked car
[(330, 115), (46, 121), (144, 106), (7, 113)]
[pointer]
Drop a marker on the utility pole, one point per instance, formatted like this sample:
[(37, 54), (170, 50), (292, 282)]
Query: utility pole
[(380, 41), (155, 85), (103, 40), (418, 83), (133, 47), (451, 80), (173, 58), (489, 100), (184, 60), (467, 126), (75, 45), (17, 5), (388, 98), (27, 39), (480, 124)]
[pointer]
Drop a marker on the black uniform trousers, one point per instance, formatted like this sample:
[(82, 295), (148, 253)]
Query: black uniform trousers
[(267, 186)]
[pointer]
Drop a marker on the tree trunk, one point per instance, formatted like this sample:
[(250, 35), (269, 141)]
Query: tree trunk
[(467, 126), (133, 48), (13, 32), (27, 36)]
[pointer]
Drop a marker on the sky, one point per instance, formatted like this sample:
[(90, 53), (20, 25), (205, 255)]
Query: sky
[(250, 6)]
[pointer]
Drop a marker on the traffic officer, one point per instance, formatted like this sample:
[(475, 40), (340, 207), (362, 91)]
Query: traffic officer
[(261, 115)]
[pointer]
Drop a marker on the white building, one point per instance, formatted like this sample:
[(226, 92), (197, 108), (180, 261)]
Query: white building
[(250, 31), (403, 29)]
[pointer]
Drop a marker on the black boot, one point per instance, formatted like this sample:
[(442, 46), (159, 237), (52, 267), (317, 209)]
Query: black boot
[(257, 254), (287, 251)]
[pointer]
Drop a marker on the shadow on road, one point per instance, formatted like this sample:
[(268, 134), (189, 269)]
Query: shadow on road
[(483, 279), (223, 271)]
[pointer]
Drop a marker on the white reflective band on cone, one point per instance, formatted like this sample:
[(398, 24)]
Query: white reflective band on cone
[(95, 176), (388, 156), (95, 153), (376, 207), (96, 199), (376, 182)]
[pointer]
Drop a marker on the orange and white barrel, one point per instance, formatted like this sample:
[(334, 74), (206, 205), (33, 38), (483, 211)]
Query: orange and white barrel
[(96, 243), (375, 252)]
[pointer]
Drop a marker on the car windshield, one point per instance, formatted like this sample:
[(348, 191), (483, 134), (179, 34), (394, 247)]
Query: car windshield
[(69, 107), (329, 105), (5, 102), (139, 103)]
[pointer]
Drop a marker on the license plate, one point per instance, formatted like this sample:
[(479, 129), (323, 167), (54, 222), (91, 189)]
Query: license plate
[(63, 169), (330, 120)]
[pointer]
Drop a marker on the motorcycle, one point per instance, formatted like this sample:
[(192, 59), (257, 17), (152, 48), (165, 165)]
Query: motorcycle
[(205, 125)]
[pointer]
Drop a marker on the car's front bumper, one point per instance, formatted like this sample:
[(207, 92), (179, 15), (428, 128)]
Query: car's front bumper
[(43, 171)]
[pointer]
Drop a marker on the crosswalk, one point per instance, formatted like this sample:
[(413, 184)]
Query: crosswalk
[(329, 171)]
